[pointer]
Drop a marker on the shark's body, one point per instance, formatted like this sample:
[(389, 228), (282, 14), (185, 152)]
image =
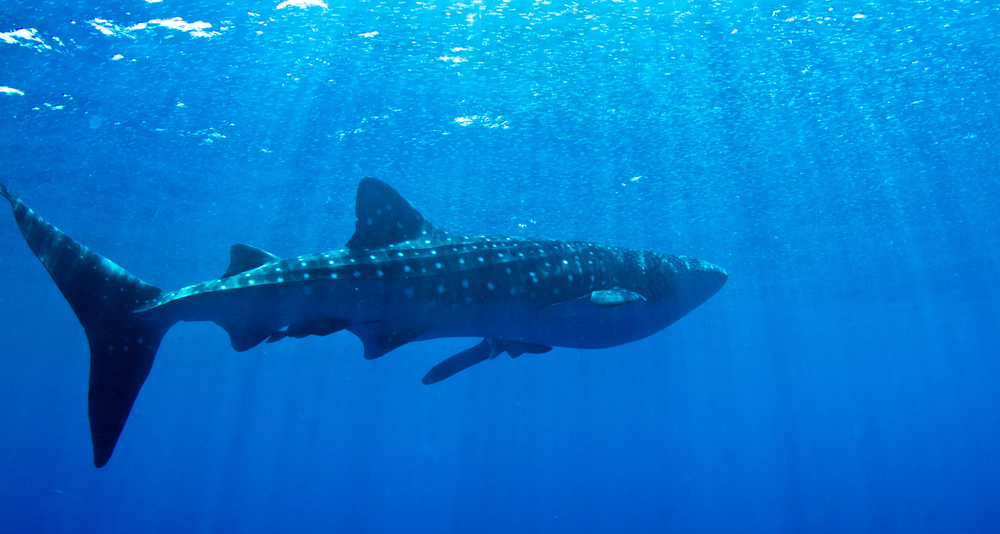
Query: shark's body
[(400, 279)]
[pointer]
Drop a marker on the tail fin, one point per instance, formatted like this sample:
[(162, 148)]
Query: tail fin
[(103, 296)]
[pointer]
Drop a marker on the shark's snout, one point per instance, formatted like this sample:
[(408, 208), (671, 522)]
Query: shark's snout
[(712, 278), (701, 281)]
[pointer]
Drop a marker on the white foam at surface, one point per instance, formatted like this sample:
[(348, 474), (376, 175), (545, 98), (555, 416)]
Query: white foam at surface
[(195, 29), (302, 4), (483, 120), (25, 37), (105, 27)]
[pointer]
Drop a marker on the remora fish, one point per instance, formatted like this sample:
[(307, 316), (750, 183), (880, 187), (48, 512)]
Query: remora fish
[(400, 279)]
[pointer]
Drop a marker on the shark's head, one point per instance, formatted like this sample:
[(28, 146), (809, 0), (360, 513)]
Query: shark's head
[(682, 283), (704, 279)]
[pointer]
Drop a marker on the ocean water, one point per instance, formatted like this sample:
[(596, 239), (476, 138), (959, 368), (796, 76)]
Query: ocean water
[(839, 159)]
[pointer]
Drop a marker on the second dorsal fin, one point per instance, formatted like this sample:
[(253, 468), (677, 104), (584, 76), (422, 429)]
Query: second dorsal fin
[(242, 258), (386, 218)]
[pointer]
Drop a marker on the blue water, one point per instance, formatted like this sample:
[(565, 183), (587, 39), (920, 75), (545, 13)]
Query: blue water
[(840, 162)]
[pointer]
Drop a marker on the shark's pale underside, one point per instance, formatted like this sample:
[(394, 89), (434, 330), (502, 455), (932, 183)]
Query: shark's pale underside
[(400, 279)]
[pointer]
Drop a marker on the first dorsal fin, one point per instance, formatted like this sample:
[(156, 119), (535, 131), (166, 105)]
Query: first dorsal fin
[(386, 218), (242, 258)]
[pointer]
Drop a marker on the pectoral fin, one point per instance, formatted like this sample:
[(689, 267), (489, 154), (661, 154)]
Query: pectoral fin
[(611, 298)]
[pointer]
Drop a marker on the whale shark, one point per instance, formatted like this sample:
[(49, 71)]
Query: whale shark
[(400, 279)]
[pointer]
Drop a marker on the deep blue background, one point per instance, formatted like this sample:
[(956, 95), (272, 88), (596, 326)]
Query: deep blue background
[(840, 163)]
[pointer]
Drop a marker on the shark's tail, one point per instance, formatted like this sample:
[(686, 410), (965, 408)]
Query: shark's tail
[(103, 295)]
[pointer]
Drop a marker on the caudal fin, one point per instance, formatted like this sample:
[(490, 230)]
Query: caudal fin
[(103, 296)]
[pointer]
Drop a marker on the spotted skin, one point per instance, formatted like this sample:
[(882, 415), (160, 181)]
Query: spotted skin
[(491, 268), (400, 279), (478, 277)]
